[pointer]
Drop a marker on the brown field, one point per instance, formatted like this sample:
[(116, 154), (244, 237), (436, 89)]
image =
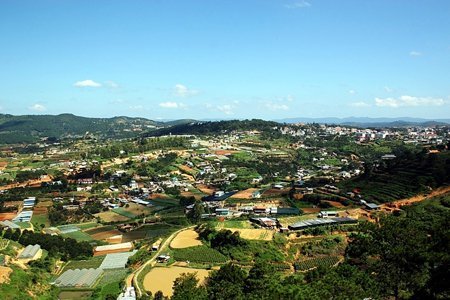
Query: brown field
[(109, 216), (13, 203), (191, 194), (4, 274), (310, 210), (7, 216), (254, 234), (275, 192), (161, 279), (3, 165), (40, 210), (225, 152), (245, 194), (186, 238), (105, 234), (205, 189), (335, 203), (187, 169)]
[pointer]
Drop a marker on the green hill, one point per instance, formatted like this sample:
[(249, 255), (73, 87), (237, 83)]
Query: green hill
[(31, 128)]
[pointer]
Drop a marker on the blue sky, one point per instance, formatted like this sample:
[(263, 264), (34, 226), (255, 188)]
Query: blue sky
[(271, 59)]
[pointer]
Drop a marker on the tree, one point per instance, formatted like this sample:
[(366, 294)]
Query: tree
[(186, 287), (226, 283), (159, 296), (195, 214)]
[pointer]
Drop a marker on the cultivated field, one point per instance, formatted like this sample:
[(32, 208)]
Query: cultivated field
[(205, 189), (245, 194), (110, 216), (161, 279), (7, 216), (254, 234), (184, 239)]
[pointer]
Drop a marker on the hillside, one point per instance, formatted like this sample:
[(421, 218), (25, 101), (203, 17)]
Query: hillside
[(215, 127), (30, 128)]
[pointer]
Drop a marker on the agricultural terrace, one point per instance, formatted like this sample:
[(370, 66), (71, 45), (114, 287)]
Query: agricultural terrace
[(186, 238), (162, 278), (111, 216)]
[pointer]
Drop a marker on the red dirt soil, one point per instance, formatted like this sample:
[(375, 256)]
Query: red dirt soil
[(7, 216)]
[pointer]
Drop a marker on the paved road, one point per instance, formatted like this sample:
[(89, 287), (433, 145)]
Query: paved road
[(132, 278)]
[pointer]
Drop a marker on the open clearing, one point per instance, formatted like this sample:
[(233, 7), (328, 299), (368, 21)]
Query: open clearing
[(161, 279), (4, 274), (110, 216), (184, 239), (205, 189), (254, 234), (245, 194)]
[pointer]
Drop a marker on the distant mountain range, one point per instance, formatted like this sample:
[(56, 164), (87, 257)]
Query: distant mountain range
[(31, 128), (370, 122)]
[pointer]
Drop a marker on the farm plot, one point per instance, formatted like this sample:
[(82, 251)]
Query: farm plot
[(327, 261), (103, 232), (161, 279), (254, 234), (186, 238), (199, 254), (92, 263), (245, 194), (78, 235), (68, 228), (110, 216), (148, 231), (74, 295), (7, 216)]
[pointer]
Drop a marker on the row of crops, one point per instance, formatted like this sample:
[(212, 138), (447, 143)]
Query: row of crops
[(199, 254), (326, 261)]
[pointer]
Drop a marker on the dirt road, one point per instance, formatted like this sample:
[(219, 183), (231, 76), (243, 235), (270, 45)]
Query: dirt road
[(151, 261)]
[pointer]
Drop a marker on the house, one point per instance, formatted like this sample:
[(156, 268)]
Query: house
[(163, 258), (128, 294), (388, 157), (31, 252), (256, 194), (222, 211), (259, 210), (328, 214), (371, 206), (265, 222)]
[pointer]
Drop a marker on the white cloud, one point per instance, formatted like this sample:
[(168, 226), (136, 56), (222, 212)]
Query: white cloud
[(298, 4), (87, 83), (170, 104), (403, 101), (111, 84), (183, 91), (226, 109), (352, 92), (37, 107), (359, 104), (415, 53), (276, 106)]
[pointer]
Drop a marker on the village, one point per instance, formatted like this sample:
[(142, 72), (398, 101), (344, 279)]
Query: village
[(137, 207)]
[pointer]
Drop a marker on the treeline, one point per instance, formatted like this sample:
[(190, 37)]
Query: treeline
[(208, 128), (57, 246), (140, 145)]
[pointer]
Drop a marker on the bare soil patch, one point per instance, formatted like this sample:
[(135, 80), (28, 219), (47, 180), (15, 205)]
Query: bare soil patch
[(245, 194), (105, 234), (4, 274), (334, 203), (310, 210), (205, 189), (161, 279), (186, 238), (7, 216)]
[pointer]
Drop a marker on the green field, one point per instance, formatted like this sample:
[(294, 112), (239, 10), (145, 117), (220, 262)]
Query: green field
[(121, 211), (199, 254), (78, 235), (94, 262), (88, 225), (37, 220)]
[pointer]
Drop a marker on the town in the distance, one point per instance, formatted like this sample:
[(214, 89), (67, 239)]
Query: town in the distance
[(240, 209)]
